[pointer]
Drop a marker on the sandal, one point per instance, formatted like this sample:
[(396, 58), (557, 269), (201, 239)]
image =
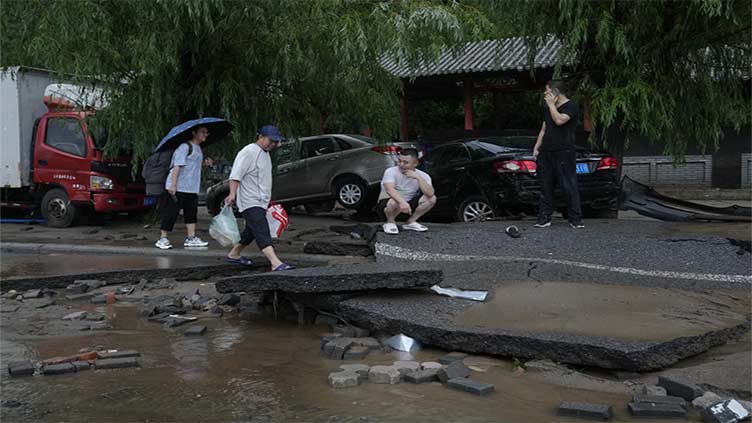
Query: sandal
[(245, 261), (390, 228), (282, 267)]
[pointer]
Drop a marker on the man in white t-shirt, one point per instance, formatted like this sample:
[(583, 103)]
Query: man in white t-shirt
[(406, 190), (251, 190)]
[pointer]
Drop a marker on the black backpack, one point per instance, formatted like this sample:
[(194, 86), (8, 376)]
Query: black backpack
[(156, 168)]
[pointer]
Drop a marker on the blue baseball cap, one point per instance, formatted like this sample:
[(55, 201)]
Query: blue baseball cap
[(272, 132)]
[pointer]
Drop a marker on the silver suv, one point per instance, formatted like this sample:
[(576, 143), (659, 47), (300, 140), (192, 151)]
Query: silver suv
[(316, 171)]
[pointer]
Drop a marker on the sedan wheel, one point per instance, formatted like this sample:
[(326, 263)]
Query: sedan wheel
[(350, 194), (476, 210)]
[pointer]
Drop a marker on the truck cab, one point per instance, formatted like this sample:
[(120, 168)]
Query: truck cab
[(60, 168)]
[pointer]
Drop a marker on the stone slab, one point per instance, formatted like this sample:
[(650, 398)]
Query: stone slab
[(422, 376), (344, 379), (360, 369), (455, 370), (104, 355), (195, 330), (471, 386), (355, 353), (452, 357), (332, 279), (58, 369), (81, 365), (649, 409), (21, 368), (680, 387), (406, 366), (384, 375), (325, 338), (660, 399), (584, 410), (337, 248), (116, 363)]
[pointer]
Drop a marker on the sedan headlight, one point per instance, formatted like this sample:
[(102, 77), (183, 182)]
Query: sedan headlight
[(100, 182)]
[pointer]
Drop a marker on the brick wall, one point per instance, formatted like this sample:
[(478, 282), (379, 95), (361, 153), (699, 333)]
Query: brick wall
[(660, 170)]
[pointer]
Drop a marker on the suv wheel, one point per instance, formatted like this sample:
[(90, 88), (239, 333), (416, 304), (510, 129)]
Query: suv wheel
[(57, 209), (351, 192), (475, 209)]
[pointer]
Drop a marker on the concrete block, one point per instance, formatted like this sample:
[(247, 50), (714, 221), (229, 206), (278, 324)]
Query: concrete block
[(360, 369), (370, 343), (325, 338), (45, 304), (680, 387), (584, 410), (104, 355), (355, 353), (344, 379), (430, 365), (384, 374), (116, 363), (729, 411), (21, 368), (195, 330), (455, 370), (33, 293), (345, 330), (336, 348), (75, 316), (649, 409), (58, 369), (706, 400), (422, 376), (654, 390), (406, 366), (74, 289), (229, 300), (81, 365), (360, 332), (452, 357), (471, 386), (659, 399)]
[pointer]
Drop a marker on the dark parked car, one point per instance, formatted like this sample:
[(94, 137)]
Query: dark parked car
[(317, 171), (482, 178)]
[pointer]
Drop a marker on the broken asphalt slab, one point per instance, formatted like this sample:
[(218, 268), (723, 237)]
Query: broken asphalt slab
[(442, 322), (333, 279)]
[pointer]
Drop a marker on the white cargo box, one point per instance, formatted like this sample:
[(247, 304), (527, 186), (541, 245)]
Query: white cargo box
[(21, 103)]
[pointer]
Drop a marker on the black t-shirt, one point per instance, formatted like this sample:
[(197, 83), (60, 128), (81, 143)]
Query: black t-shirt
[(558, 138)]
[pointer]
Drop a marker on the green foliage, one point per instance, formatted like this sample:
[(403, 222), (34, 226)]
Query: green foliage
[(669, 70), (252, 62)]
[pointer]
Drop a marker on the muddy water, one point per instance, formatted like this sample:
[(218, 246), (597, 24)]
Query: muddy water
[(601, 310), (261, 371), (19, 265)]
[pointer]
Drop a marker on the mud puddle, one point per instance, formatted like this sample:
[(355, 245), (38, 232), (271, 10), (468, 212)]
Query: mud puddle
[(602, 310), (257, 371)]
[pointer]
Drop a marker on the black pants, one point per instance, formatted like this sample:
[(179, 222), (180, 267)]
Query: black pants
[(256, 227), (561, 166), (170, 209)]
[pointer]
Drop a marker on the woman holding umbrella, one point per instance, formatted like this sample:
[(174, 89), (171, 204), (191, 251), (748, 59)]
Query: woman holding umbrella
[(182, 185)]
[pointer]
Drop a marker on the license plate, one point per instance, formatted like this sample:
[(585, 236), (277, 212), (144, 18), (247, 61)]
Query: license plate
[(150, 201), (583, 168)]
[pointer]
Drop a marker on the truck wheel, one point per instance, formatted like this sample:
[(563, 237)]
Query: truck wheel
[(57, 209)]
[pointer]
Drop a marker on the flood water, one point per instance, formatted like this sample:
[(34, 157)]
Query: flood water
[(254, 371)]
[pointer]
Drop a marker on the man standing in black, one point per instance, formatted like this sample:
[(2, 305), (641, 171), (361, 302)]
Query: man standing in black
[(555, 155)]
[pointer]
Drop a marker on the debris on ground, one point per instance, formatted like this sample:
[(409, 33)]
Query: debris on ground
[(729, 411), (584, 410), (460, 293), (471, 386)]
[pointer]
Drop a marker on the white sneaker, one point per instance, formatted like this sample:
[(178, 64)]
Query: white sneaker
[(390, 228), (195, 241), (163, 244), (415, 226)]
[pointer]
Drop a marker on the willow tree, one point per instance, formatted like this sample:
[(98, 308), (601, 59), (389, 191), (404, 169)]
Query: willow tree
[(252, 62), (676, 72)]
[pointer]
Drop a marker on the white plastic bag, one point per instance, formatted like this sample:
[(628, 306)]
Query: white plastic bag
[(224, 227), (277, 218)]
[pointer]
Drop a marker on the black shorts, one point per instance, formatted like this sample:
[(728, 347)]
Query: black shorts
[(414, 202), (171, 206), (256, 227)]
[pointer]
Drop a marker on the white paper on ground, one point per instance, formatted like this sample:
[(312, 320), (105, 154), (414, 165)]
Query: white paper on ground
[(403, 343), (460, 293)]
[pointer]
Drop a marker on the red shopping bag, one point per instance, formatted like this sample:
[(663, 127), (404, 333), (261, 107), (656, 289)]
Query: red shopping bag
[(277, 218)]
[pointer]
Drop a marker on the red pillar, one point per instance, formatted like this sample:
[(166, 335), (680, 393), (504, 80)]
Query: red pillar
[(403, 118), (498, 121), (467, 86), (322, 122)]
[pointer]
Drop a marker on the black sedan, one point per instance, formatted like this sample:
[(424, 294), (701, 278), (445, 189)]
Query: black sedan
[(484, 178)]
